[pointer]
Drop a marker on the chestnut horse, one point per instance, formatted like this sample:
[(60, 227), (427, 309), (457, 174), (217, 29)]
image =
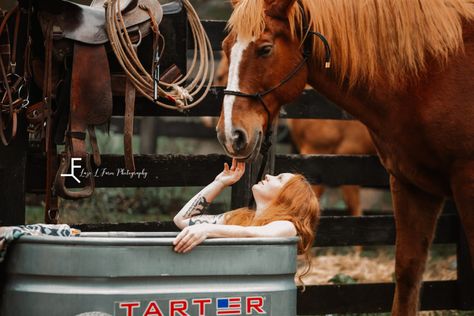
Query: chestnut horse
[(312, 136), (403, 68)]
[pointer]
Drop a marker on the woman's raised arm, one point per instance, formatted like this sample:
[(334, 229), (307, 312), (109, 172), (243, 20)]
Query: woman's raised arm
[(193, 211)]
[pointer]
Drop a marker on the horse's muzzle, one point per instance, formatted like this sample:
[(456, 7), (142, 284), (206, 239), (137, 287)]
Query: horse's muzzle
[(241, 146)]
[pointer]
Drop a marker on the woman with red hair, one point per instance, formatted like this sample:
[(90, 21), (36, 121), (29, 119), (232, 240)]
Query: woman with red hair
[(285, 206)]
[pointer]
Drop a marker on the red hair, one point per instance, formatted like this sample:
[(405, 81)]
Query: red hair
[(295, 202)]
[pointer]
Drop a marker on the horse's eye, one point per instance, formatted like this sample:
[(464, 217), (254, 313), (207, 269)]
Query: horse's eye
[(265, 50)]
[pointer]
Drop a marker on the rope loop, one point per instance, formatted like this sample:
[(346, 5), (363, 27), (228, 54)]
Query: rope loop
[(189, 90)]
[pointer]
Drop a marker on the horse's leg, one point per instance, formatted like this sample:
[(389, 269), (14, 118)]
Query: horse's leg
[(318, 190), (351, 194), (462, 185), (416, 213)]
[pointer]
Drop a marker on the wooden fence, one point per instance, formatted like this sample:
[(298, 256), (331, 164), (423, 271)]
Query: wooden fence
[(190, 170)]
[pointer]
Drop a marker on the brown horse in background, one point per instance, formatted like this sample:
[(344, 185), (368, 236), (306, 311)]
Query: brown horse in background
[(404, 68), (333, 137), (311, 136)]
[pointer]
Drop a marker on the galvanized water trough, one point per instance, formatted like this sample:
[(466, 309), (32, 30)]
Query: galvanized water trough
[(140, 274)]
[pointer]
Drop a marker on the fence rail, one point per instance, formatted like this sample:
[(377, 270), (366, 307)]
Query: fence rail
[(199, 170), (310, 104)]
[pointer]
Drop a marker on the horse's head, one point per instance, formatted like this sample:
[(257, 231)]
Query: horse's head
[(266, 70)]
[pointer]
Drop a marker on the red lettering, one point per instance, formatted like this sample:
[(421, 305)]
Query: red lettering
[(178, 306), (202, 304), (153, 309), (129, 306), (255, 303)]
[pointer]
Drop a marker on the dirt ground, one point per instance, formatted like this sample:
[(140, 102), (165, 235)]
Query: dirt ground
[(377, 266)]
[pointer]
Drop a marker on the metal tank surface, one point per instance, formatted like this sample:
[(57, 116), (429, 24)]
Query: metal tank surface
[(139, 274)]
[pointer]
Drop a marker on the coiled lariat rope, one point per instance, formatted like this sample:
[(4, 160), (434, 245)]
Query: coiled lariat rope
[(181, 94)]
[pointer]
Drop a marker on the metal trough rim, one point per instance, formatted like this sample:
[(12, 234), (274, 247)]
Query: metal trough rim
[(147, 239)]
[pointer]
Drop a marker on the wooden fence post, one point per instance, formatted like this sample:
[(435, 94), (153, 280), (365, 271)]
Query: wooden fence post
[(465, 272), (12, 178)]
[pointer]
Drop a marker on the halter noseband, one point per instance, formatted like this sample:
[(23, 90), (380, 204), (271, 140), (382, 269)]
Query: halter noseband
[(307, 44), (259, 95)]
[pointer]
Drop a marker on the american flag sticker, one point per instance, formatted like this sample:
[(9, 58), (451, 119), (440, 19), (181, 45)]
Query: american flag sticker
[(228, 306)]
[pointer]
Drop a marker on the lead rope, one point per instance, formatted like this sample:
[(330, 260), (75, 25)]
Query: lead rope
[(181, 95), (264, 149)]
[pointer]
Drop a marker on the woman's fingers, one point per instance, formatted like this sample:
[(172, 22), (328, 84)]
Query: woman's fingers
[(234, 164), (185, 243), (190, 238), (191, 243), (180, 236), (233, 174), (194, 243), (182, 242)]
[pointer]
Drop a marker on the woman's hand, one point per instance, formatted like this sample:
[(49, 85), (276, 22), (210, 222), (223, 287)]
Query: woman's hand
[(232, 175), (191, 236)]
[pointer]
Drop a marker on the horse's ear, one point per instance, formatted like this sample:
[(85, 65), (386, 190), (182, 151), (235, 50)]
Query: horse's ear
[(278, 8)]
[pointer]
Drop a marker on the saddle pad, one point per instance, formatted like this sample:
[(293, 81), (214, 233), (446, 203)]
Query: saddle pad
[(87, 24)]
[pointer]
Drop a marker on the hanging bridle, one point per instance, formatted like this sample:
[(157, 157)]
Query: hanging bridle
[(307, 47)]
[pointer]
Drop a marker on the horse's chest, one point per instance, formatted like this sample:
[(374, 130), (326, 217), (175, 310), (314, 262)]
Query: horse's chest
[(409, 158)]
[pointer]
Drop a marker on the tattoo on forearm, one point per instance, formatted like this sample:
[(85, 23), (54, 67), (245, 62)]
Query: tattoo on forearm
[(205, 219), (198, 207)]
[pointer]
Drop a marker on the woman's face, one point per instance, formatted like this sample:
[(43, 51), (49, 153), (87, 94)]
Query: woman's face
[(268, 188)]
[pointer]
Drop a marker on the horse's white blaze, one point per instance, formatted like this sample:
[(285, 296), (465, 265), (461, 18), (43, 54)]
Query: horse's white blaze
[(233, 84)]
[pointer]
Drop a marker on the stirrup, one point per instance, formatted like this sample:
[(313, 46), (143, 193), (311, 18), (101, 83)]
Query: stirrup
[(60, 181)]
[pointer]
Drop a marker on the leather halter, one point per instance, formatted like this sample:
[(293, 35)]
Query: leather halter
[(267, 143), (307, 44)]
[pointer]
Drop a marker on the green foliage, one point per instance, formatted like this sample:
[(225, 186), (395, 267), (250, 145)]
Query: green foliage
[(341, 278)]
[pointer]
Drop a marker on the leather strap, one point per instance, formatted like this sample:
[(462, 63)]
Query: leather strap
[(130, 94), (76, 135), (51, 215), (171, 74)]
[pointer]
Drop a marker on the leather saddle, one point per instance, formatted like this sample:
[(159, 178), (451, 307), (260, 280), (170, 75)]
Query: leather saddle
[(86, 24), (81, 30)]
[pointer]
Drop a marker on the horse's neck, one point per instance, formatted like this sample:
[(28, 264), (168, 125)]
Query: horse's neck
[(356, 102)]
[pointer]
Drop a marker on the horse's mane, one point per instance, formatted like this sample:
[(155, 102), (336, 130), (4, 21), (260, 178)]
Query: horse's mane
[(372, 41)]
